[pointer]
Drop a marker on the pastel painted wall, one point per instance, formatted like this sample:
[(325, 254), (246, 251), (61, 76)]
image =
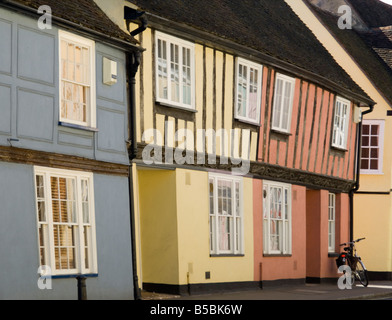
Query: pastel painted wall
[(30, 95), (308, 145), (174, 226), (193, 233), (19, 240), (372, 212), (158, 226), (283, 267), (318, 263), (373, 221), (214, 99)]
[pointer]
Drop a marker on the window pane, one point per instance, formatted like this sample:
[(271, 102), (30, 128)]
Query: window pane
[(253, 87), (175, 75), (86, 247), (374, 141), (365, 129), (286, 106), (242, 90), (224, 234), (85, 202), (365, 141), (278, 104), (75, 73), (373, 164), (364, 164), (64, 246), (186, 76), (162, 70), (212, 233), (365, 152), (374, 130)]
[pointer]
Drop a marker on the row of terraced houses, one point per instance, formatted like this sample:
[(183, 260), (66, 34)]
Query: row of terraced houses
[(190, 146)]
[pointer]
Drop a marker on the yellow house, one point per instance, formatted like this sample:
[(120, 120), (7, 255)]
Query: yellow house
[(358, 35), (209, 151), (241, 177)]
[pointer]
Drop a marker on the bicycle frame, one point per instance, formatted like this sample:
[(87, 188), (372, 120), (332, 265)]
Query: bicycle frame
[(353, 260)]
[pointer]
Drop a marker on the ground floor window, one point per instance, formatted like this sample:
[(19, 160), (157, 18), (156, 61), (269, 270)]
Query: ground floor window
[(331, 221), (226, 214), (276, 218), (65, 219)]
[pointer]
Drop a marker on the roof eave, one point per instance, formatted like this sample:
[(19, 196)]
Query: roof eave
[(117, 42), (206, 38)]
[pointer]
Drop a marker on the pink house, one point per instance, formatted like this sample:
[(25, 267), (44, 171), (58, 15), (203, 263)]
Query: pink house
[(302, 199)]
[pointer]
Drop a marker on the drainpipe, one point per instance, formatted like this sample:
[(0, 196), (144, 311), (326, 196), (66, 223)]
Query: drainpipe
[(132, 65), (357, 171)]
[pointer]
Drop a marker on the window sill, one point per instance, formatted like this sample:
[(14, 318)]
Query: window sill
[(77, 126), (168, 104), (277, 255), (369, 172), (283, 133), (341, 149), (69, 276), (227, 255), (333, 254), (250, 122)]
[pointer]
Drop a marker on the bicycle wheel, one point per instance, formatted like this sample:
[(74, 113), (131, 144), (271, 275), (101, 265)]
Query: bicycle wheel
[(361, 273)]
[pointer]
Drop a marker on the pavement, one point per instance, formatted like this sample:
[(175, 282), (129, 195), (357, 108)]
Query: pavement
[(376, 290)]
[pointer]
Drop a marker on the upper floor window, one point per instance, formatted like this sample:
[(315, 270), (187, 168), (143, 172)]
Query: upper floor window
[(174, 71), (283, 103), (65, 218), (372, 146), (226, 216), (276, 218), (77, 80), (340, 123), (248, 94)]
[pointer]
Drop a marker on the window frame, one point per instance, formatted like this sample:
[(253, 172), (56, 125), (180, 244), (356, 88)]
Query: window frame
[(256, 66), (286, 80), (331, 222), (381, 124), (237, 241), (286, 244), (181, 43), (337, 129), (91, 100), (48, 235)]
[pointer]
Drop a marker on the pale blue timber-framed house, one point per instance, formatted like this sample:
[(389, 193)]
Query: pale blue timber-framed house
[(65, 137)]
